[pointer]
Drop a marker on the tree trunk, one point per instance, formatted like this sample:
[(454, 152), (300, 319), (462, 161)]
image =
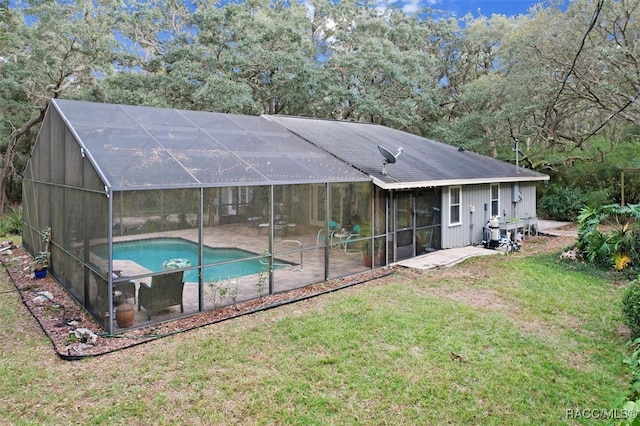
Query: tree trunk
[(9, 154)]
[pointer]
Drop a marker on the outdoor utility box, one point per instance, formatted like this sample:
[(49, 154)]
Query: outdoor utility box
[(516, 196)]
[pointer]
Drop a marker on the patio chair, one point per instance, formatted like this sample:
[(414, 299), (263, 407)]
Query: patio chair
[(121, 293), (127, 288), (163, 292), (333, 228), (99, 286), (349, 239)]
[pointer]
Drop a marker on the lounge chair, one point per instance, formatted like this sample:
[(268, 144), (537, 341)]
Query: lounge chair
[(164, 291)]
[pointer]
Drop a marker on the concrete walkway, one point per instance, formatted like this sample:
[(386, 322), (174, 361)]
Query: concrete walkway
[(446, 257), (557, 228), (451, 257)]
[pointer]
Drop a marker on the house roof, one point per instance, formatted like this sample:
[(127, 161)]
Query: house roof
[(135, 147), (422, 163)]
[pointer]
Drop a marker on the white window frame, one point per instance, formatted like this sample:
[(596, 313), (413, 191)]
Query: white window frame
[(497, 200), (453, 205)]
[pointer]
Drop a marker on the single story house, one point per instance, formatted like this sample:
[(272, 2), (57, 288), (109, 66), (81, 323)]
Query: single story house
[(178, 212)]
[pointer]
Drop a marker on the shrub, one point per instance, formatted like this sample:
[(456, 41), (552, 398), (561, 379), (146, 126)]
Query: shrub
[(14, 220), (608, 235), (4, 228), (631, 307), (598, 198), (628, 405), (561, 203), (11, 223)]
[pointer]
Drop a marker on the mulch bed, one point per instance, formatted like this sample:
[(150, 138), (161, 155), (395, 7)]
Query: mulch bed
[(62, 315)]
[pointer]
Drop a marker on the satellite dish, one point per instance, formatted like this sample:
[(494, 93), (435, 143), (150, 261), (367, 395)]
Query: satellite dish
[(389, 157)]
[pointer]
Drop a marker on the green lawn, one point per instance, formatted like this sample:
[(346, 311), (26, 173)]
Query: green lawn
[(496, 340)]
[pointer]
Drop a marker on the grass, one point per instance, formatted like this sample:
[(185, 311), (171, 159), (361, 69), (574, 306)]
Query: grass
[(502, 340)]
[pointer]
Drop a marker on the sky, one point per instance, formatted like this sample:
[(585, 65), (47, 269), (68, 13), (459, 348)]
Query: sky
[(475, 7), (459, 7), (487, 7)]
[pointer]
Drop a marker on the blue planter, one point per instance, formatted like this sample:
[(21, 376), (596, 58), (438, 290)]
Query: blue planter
[(41, 274)]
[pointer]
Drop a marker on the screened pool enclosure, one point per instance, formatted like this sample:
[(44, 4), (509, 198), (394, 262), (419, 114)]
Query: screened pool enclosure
[(180, 212)]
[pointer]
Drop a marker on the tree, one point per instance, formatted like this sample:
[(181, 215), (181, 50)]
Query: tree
[(607, 74), (380, 65), (259, 48), (155, 63), (544, 80), (60, 52), (586, 70), (551, 80), (473, 80), (251, 57)]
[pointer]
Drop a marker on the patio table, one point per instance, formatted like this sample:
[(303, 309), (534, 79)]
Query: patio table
[(512, 225)]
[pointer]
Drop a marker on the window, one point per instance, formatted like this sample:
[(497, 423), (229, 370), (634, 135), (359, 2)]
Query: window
[(454, 205), (495, 200)]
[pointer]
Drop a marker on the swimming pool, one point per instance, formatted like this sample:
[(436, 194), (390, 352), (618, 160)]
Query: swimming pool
[(150, 253)]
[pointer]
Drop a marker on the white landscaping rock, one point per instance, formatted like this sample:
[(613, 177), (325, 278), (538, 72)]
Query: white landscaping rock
[(43, 296), (86, 336)]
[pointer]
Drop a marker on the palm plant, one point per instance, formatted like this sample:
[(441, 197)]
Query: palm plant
[(615, 247)]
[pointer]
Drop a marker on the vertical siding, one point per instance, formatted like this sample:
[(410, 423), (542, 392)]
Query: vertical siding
[(473, 197), (525, 207), (478, 196), (448, 234), (454, 235), (470, 231), (528, 206), (506, 207)]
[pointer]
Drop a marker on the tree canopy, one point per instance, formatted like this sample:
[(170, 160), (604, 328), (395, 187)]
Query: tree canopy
[(555, 80)]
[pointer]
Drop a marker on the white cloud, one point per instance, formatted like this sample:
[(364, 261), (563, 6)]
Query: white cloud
[(409, 6)]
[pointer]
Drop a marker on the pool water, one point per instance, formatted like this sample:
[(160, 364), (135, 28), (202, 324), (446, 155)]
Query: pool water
[(151, 253)]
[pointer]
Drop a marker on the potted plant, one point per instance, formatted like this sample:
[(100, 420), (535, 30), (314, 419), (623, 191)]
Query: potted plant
[(41, 260)]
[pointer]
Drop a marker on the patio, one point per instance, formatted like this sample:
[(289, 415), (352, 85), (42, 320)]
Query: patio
[(307, 266)]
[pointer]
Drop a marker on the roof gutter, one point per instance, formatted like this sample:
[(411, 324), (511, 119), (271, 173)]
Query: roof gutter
[(454, 182)]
